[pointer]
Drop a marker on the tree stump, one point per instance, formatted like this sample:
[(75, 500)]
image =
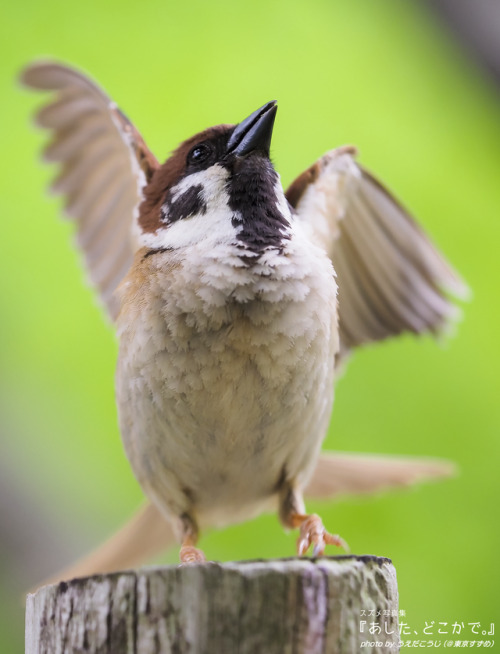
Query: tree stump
[(294, 606)]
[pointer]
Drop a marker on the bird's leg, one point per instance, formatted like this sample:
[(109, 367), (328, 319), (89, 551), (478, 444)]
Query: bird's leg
[(311, 530), (189, 537)]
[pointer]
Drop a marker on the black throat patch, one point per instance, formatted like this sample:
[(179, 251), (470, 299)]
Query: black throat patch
[(252, 196)]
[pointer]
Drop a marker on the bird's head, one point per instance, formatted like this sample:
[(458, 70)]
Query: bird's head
[(219, 186)]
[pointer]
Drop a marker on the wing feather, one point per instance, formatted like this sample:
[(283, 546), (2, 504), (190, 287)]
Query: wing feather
[(104, 165), (384, 295), (91, 202), (63, 112), (391, 277), (75, 172), (73, 139)]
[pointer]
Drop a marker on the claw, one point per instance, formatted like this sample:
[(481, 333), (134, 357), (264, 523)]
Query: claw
[(335, 539), (302, 546), (318, 550), (312, 532), (190, 554)]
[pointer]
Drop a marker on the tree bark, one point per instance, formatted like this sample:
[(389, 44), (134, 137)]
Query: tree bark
[(292, 606)]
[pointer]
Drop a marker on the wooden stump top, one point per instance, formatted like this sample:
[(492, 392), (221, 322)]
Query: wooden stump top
[(295, 606)]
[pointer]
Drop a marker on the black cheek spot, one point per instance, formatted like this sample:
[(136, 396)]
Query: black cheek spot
[(187, 204)]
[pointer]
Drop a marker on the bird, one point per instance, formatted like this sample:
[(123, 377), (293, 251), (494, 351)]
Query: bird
[(236, 305)]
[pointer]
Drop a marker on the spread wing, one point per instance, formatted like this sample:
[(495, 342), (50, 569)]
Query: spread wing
[(391, 278), (104, 165)]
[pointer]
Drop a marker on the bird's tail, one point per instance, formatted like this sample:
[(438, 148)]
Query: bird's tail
[(338, 473)]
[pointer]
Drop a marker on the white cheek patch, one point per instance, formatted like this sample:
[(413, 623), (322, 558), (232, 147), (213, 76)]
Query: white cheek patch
[(212, 229), (197, 210), (212, 183), (212, 225)]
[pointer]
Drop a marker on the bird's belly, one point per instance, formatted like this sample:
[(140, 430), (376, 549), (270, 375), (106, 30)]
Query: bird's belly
[(219, 427), (216, 416)]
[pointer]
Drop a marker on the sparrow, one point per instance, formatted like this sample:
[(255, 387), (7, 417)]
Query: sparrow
[(236, 304)]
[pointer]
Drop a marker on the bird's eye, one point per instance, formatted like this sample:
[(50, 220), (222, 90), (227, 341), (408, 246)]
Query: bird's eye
[(199, 154)]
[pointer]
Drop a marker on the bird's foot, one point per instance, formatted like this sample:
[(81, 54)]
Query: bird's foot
[(190, 554), (312, 532)]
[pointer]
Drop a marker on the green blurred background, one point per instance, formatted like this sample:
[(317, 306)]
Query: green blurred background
[(386, 76)]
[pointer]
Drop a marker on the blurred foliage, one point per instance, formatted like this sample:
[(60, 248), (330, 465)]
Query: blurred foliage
[(379, 74)]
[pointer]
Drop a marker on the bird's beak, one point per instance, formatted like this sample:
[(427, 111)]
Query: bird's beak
[(255, 132)]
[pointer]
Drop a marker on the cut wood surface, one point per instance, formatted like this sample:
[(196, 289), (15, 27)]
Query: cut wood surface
[(293, 606)]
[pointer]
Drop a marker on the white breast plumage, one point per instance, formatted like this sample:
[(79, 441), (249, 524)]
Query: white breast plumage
[(238, 374)]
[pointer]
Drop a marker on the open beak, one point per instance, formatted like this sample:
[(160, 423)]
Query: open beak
[(255, 132)]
